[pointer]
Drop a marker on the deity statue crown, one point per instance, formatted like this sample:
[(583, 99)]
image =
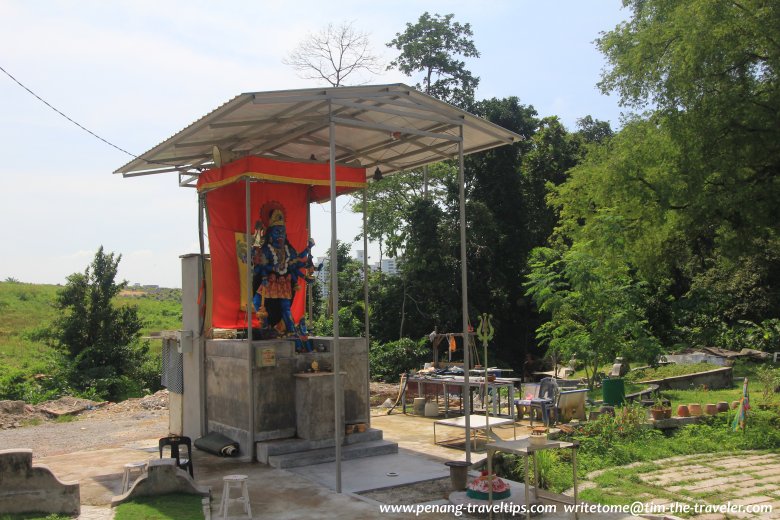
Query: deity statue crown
[(276, 218)]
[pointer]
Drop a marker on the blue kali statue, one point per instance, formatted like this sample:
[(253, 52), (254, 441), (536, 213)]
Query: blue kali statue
[(277, 268)]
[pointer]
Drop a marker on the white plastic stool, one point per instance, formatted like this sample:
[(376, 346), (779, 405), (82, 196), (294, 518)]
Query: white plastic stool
[(130, 468), (237, 481)]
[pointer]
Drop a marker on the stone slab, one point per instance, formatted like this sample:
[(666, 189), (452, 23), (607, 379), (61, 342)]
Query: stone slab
[(163, 477), (25, 488), (315, 395)]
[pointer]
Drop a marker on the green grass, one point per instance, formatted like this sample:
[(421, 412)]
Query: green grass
[(704, 396), (664, 371), (611, 444), (24, 308), (165, 507), (29, 308)]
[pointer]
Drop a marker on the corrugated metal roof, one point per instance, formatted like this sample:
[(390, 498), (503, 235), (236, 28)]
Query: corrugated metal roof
[(390, 127)]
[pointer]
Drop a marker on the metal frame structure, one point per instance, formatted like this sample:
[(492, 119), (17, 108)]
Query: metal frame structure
[(385, 129)]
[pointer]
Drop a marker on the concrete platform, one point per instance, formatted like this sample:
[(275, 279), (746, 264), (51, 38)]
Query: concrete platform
[(300, 493), (404, 467)]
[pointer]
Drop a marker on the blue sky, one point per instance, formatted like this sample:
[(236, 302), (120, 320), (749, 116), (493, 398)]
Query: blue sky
[(136, 72)]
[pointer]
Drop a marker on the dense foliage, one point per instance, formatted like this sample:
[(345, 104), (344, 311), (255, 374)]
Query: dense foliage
[(394, 358), (433, 47), (662, 235)]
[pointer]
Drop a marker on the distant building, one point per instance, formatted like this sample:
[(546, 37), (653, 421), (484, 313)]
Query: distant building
[(322, 276), (390, 266)]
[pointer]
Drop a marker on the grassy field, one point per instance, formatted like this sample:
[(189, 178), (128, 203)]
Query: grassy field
[(27, 309)]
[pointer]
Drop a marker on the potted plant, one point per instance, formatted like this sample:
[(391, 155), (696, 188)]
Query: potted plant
[(660, 410)]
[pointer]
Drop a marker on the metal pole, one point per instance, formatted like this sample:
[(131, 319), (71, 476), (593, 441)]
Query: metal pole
[(465, 295), (334, 287), (365, 300), (309, 297), (250, 350), (202, 316)]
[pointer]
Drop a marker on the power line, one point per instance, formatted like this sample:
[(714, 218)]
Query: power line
[(39, 98)]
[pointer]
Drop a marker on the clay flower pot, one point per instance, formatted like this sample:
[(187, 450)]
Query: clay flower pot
[(695, 409), (660, 413), (711, 409), (360, 427), (723, 406), (734, 405), (349, 429), (682, 411)]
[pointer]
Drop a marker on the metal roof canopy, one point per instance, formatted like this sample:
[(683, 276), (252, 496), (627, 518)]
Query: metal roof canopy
[(390, 127)]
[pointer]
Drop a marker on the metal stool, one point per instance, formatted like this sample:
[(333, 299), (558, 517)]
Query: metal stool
[(130, 468), (237, 481)]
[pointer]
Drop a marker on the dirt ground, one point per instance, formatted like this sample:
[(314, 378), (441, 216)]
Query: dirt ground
[(16, 414)]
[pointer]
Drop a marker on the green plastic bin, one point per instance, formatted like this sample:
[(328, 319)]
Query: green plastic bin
[(613, 391)]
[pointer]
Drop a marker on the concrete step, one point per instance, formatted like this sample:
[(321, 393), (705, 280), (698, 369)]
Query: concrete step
[(267, 449), (322, 455)]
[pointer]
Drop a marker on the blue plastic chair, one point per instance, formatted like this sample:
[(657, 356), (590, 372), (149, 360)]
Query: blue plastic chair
[(547, 401)]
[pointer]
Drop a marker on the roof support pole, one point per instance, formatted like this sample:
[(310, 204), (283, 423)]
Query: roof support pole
[(250, 350), (308, 289), (365, 300), (334, 291), (464, 295)]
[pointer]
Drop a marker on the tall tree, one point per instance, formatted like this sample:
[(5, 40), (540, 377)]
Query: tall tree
[(596, 308), (388, 204), (100, 338), (434, 46), (428, 274), (686, 193), (334, 54), (711, 70)]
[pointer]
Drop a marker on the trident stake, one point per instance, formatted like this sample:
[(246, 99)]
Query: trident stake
[(485, 333)]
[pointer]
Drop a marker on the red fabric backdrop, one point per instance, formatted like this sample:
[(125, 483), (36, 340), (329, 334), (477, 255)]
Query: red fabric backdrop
[(225, 205)]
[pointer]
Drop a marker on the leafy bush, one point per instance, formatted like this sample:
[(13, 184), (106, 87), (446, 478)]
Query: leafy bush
[(350, 323), (388, 361), (769, 379), (747, 334)]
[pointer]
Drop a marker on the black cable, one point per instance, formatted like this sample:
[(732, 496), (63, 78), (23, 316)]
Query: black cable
[(39, 98)]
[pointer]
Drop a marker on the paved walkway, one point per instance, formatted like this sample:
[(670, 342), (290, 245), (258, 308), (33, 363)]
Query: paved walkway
[(745, 479), (743, 482)]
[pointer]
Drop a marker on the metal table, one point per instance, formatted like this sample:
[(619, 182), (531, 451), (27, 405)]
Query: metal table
[(474, 383), (524, 448)]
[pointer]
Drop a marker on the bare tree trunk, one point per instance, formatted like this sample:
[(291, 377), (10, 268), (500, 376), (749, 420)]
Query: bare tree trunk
[(403, 313)]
